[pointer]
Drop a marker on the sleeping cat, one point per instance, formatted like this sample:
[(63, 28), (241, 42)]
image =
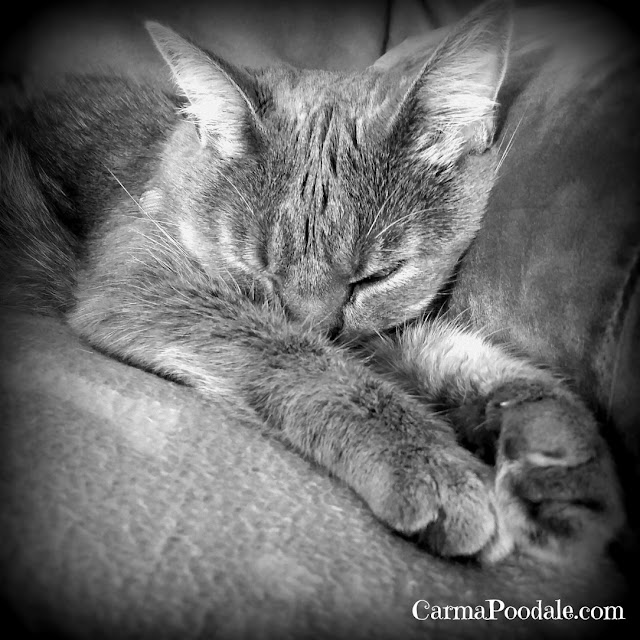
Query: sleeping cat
[(277, 237)]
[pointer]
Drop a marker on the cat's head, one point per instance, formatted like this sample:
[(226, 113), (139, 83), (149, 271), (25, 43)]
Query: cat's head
[(349, 196)]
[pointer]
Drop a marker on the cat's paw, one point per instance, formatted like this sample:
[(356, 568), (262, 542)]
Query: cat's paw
[(557, 494), (443, 500)]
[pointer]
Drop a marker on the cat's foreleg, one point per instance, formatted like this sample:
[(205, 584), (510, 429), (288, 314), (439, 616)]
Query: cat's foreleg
[(309, 393), (555, 482)]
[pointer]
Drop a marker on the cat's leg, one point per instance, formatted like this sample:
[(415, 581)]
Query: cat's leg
[(311, 394), (555, 482)]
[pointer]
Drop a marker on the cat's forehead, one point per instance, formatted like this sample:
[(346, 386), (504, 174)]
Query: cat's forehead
[(299, 94)]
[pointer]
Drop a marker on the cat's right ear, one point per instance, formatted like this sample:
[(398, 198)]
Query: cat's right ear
[(217, 103)]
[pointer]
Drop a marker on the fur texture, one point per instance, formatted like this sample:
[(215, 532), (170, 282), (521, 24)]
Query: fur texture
[(258, 248)]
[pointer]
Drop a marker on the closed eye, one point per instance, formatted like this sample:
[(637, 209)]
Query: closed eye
[(379, 275)]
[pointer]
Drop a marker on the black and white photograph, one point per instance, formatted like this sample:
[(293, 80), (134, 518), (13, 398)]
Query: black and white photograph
[(319, 319)]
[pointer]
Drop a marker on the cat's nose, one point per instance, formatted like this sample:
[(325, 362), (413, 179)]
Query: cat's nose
[(322, 313)]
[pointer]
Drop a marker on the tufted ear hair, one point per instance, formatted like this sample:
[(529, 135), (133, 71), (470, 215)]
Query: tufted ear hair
[(218, 105), (451, 104)]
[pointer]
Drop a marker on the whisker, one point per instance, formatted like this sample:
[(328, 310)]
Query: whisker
[(233, 186), (235, 282), (509, 144), (381, 209), (455, 320), (429, 210), (146, 213), (393, 223)]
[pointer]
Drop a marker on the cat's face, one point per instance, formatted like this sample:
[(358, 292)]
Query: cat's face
[(349, 197)]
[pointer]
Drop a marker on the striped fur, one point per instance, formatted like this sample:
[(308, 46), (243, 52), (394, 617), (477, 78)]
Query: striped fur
[(258, 249)]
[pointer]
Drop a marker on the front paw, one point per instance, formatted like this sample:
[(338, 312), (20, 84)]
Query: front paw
[(442, 499), (556, 489)]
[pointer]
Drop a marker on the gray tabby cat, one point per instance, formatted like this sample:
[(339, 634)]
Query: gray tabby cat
[(258, 237)]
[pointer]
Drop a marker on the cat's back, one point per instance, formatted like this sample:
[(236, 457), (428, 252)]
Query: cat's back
[(74, 114), (73, 133), (63, 145)]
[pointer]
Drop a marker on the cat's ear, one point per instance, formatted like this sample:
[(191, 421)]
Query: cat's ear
[(451, 105), (217, 103)]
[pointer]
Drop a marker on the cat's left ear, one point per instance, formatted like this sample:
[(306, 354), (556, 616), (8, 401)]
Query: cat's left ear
[(451, 105), (217, 103)]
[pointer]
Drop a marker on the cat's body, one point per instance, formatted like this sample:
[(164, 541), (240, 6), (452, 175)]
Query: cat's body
[(291, 214)]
